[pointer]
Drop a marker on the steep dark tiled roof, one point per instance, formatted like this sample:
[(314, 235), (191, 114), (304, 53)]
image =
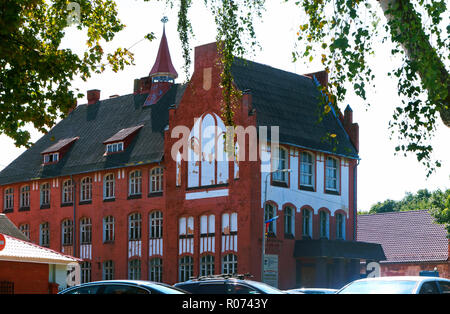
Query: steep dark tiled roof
[(8, 228), (291, 101), (94, 124), (410, 236)]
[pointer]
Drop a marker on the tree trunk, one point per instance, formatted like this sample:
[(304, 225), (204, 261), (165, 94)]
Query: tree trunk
[(415, 52)]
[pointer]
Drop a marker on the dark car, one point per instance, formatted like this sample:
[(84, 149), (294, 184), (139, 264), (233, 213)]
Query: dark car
[(311, 291), (226, 285), (122, 287)]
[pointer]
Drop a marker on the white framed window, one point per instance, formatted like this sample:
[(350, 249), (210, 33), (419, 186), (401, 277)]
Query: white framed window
[(25, 196), (134, 226), (307, 223), (108, 229), (67, 192), (86, 189), (280, 162), (289, 220), (44, 234), (324, 220), (135, 183), (340, 226), (207, 265), (229, 264), (85, 230), (185, 268), (8, 201), (332, 175), (108, 270), (109, 186), (67, 232), (45, 194), (49, 158), (269, 213), (114, 147), (155, 269), (156, 180), (134, 269), (156, 225), (25, 229), (306, 170)]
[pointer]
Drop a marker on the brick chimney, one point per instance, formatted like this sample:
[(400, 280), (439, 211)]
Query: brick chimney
[(93, 96), (351, 128)]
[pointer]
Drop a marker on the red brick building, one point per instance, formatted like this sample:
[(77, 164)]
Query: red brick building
[(112, 185), (411, 240)]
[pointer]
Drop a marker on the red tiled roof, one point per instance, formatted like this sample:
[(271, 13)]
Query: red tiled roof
[(409, 236)]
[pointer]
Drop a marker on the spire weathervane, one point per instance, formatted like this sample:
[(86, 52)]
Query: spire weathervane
[(164, 20)]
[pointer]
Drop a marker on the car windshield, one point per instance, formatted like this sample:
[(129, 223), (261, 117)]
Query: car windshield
[(380, 287), (266, 288)]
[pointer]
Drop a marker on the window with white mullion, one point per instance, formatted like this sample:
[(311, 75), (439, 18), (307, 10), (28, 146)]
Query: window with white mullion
[(332, 175), (135, 183), (25, 196), (86, 189), (45, 194), (280, 163), (9, 199), (108, 186), (108, 229), (156, 225), (306, 169)]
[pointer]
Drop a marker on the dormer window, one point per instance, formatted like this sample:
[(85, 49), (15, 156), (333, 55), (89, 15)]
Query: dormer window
[(55, 152), (114, 147), (119, 141), (49, 158)]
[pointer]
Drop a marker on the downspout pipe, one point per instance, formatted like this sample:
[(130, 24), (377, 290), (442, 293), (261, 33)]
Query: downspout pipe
[(355, 209)]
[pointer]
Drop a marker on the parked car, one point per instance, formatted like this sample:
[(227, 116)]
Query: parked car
[(122, 287), (311, 291), (398, 285), (225, 284)]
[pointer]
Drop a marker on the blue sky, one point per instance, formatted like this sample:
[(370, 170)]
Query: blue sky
[(381, 174)]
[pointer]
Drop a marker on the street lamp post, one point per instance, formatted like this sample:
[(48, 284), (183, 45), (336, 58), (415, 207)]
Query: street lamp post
[(263, 220)]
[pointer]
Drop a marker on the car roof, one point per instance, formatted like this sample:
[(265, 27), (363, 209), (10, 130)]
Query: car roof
[(410, 278)]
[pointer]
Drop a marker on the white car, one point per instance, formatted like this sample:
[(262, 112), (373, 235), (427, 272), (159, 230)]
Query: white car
[(398, 285)]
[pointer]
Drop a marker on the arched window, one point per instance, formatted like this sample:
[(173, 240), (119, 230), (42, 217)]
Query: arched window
[(134, 269), (44, 194), (280, 163), (108, 186), (340, 226), (67, 232), (155, 270), (108, 270), (67, 192), (229, 264), (156, 225), (8, 202), (185, 268), (306, 170), (207, 159), (207, 265), (332, 175), (289, 221), (108, 229), (25, 196), (269, 213), (134, 226), (85, 230), (44, 234), (324, 220), (135, 183), (86, 189), (307, 223), (156, 180)]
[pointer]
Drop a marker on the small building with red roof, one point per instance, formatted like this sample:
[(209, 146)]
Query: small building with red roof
[(411, 241)]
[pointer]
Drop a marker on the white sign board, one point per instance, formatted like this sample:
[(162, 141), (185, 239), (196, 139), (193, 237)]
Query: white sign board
[(271, 270)]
